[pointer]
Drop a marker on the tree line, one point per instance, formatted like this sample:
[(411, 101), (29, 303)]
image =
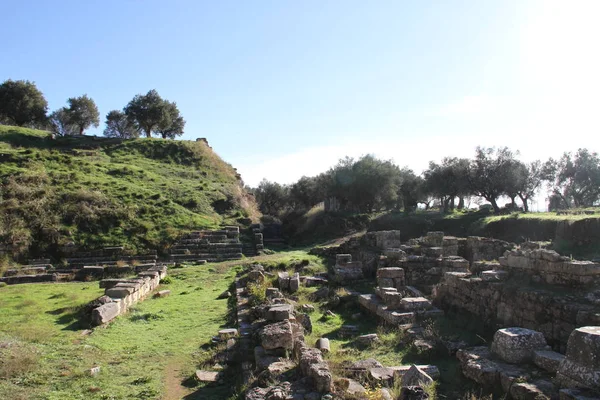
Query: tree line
[(23, 104), (370, 184)]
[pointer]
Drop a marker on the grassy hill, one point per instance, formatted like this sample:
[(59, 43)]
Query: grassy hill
[(91, 191)]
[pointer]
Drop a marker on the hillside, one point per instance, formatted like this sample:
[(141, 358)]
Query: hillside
[(92, 191)]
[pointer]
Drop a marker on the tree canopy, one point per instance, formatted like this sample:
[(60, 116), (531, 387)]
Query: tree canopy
[(22, 104), (117, 125), (82, 112), (154, 115)]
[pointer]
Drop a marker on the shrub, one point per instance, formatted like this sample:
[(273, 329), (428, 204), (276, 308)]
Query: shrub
[(257, 292), (167, 280)]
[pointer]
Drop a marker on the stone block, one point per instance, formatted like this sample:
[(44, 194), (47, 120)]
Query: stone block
[(323, 345), (434, 239), (105, 313), (434, 252), (390, 273), (516, 345), (415, 303), (295, 282), (162, 293), (581, 366), (277, 335), (283, 279), (385, 282), (416, 377), (119, 292), (225, 334), (547, 360), (367, 340), (208, 376), (280, 312)]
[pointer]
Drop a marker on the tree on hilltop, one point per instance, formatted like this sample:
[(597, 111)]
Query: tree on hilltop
[(154, 115), (21, 103), (82, 112), (575, 178), (117, 125), (60, 123), (448, 180)]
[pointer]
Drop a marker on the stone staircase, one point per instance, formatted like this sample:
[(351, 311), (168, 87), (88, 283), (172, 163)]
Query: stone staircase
[(209, 246)]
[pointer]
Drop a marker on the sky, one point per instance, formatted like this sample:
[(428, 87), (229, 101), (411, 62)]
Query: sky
[(283, 88)]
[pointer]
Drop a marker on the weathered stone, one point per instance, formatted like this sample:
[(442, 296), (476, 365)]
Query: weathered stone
[(581, 366), (323, 345), (348, 330), (351, 387), (280, 312), (577, 394), (225, 295), (294, 282), (548, 360), (225, 334), (531, 391), (277, 335), (341, 259), (516, 345), (415, 303), (207, 376), (304, 320), (105, 313), (494, 276), (394, 273), (283, 279), (256, 275), (321, 293), (367, 340), (308, 308), (162, 293)]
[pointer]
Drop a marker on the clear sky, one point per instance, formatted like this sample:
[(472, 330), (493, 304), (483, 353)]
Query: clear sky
[(285, 88)]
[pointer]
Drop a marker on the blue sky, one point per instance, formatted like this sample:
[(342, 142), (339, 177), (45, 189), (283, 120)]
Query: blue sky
[(283, 89)]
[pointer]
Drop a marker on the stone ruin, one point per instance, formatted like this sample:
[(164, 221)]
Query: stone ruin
[(522, 365), (534, 289), (120, 294), (272, 344), (208, 246)]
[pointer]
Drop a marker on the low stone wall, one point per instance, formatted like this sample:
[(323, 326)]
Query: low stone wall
[(120, 294), (555, 313), (548, 266)]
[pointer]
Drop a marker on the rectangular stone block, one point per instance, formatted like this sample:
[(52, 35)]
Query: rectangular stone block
[(105, 313), (415, 303), (548, 360)]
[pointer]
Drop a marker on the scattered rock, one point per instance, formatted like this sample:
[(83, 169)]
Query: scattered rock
[(415, 377), (225, 295), (516, 345), (304, 320), (162, 293), (367, 340), (94, 371), (323, 345), (277, 335), (207, 376), (307, 308)]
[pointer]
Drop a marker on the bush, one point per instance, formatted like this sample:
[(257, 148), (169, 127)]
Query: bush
[(167, 280), (258, 292), (2, 284)]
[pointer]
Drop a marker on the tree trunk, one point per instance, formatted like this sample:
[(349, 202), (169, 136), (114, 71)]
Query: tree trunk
[(461, 203), (494, 205), (525, 203), (164, 135), (452, 204), (148, 132), (513, 205), (81, 130)]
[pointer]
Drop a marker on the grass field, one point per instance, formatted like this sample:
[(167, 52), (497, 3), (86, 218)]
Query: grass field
[(151, 352)]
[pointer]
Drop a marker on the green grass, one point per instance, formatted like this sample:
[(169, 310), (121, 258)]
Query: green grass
[(147, 353), (546, 216), (140, 193)]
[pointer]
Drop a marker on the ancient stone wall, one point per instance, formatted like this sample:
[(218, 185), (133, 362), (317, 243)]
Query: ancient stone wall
[(120, 294), (209, 246), (551, 310)]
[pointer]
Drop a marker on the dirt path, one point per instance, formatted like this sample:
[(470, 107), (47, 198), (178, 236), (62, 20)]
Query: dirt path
[(174, 390)]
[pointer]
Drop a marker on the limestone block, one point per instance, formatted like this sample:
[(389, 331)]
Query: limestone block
[(283, 279), (225, 334), (433, 252), (434, 239), (280, 312), (516, 345), (538, 390), (415, 377), (548, 360), (413, 393), (321, 377), (367, 340), (162, 293), (581, 365), (415, 303), (323, 345), (105, 313), (455, 263), (385, 282), (295, 282), (393, 273), (118, 292), (394, 254), (277, 335), (431, 370), (207, 376)]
